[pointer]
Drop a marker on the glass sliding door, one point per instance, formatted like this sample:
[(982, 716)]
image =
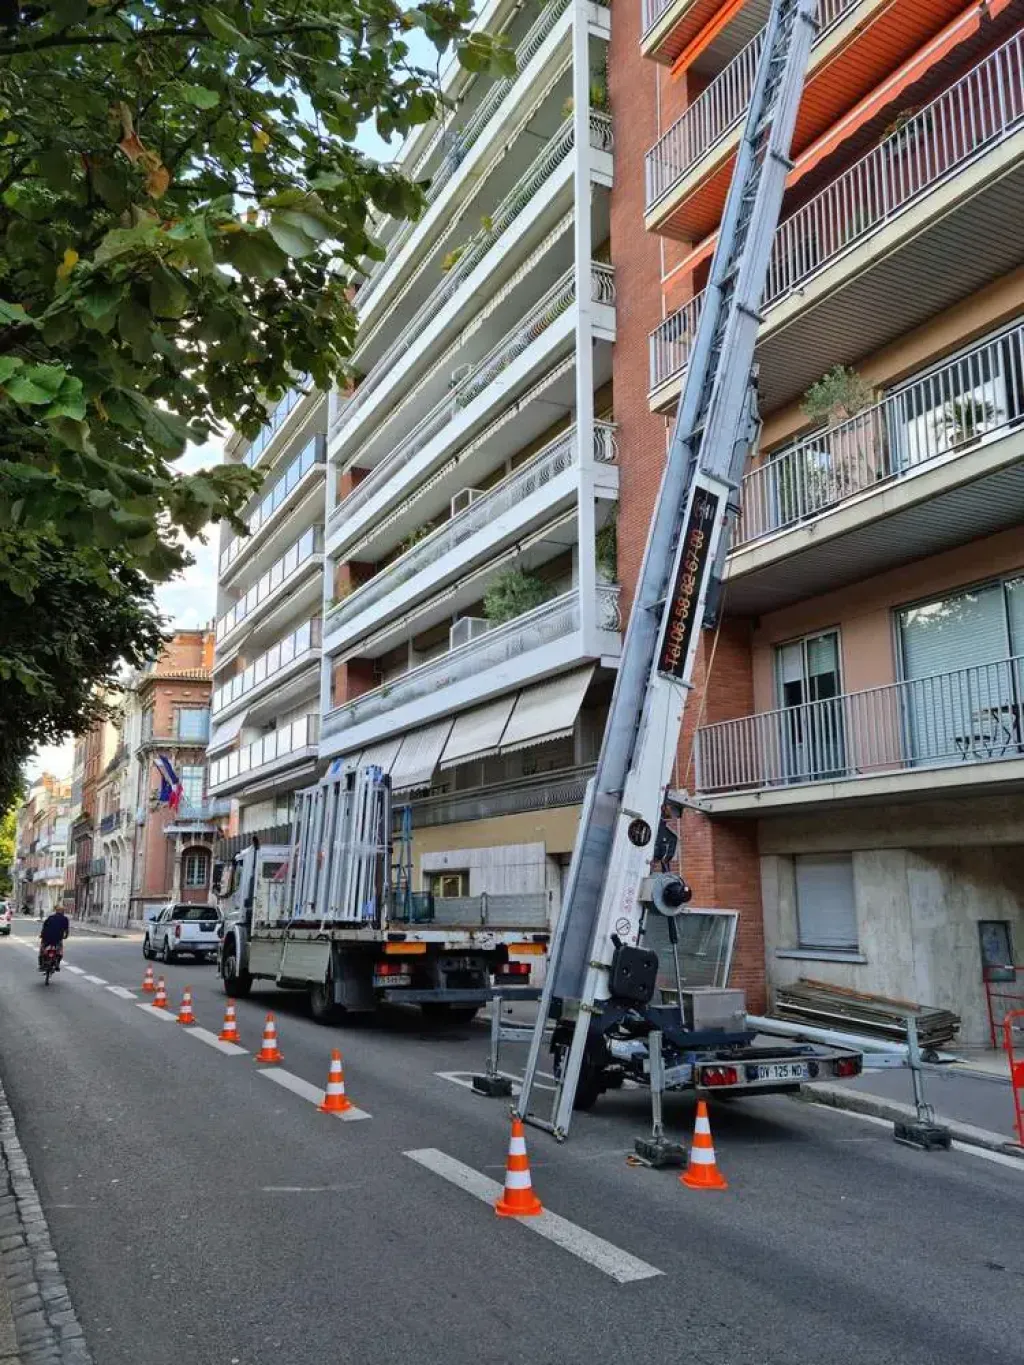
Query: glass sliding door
[(811, 741)]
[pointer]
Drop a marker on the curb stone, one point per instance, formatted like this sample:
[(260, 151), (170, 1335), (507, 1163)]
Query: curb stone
[(38, 1324), (861, 1102)]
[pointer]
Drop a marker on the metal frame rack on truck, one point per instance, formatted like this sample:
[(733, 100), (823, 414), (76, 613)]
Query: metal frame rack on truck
[(320, 915), (601, 980)]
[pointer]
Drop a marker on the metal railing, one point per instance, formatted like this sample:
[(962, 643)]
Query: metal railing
[(112, 821), (970, 715), (308, 545), (561, 454), (274, 423), (551, 621), (304, 639), (462, 139), (717, 110), (543, 314), (984, 105), (312, 453), (474, 251), (953, 408), (300, 734), (547, 791), (653, 10)]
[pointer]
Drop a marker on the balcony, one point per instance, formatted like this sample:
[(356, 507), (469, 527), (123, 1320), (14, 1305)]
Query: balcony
[(535, 645), (283, 574), (954, 732), (279, 414), (279, 663), (548, 791), (312, 456), (531, 207), (278, 749), (112, 822), (539, 338), (858, 44), (668, 27), (937, 462), (546, 485), (855, 267)]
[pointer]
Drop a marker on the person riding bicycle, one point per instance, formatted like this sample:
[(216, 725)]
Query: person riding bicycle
[(55, 930)]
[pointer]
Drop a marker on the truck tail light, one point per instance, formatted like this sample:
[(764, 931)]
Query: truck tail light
[(719, 1075), (520, 969), (391, 969), (847, 1066), (177, 930)]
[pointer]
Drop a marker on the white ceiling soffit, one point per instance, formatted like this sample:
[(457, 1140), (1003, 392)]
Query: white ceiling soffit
[(417, 758), (547, 711), (477, 733)]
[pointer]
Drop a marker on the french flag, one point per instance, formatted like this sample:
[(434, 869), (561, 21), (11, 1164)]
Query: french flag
[(170, 783)]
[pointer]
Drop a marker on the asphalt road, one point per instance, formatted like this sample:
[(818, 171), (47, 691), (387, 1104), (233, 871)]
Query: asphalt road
[(202, 1214)]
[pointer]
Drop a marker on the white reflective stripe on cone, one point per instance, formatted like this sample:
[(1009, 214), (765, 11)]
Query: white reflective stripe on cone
[(702, 1156), (703, 1127), (517, 1146), (517, 1180)]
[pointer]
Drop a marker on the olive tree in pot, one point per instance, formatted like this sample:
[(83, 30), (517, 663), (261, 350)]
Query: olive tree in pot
[(512, 593)]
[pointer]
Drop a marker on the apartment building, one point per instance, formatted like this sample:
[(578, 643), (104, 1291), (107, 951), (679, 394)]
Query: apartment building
[(265, 706), (855, 756), (471, 625), (41, 842), (93, 752)]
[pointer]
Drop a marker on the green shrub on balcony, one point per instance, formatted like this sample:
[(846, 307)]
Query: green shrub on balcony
[(606, 550), (512, 593), (837, 396)]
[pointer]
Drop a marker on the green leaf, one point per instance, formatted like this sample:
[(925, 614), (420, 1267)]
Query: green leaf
[(200, 96), (56, 168), (254, 252), (14, 315), (289, 236), (168, 296), (8, 365), (135, 325), (220, 28)]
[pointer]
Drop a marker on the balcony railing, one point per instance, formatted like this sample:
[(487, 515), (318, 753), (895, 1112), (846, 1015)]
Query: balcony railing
[(462, 139), (552, 621), (308, 545), (561, 454), (301, 641), (550, 308), (112, 821), (970, 715), (518, 198), (718, 108), (312, 453), (982, 107), (274, 423), (547, 791), (974, 398), (300, 734), (653, 10)]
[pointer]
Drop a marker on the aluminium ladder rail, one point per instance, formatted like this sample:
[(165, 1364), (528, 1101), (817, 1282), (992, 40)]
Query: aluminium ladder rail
[(716, 425)]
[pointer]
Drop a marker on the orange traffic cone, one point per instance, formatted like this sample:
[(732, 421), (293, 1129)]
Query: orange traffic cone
[(335, 1100), (148, 984), (229, 1033), (702, 1173), (517, 1199), (269, 1051), (185, 1015), (160, 999)]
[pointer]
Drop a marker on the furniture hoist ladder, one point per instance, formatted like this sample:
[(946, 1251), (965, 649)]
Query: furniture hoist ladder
[(595, 946)]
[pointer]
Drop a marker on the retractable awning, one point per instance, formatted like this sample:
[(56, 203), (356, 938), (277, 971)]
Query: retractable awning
[(418, 756), (226, 732), (477, 733), (547, 711), (380, 755)]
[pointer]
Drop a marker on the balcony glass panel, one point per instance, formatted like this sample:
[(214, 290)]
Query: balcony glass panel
[(268, 665), (300, 734), (268, 505), (309, 544), (274, 423)]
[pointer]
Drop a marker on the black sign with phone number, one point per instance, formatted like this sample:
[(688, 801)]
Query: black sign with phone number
[(682, 606)]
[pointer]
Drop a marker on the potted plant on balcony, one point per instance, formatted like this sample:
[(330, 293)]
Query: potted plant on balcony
[(606, 550), (962, 421), (512, 593), (851, 454)]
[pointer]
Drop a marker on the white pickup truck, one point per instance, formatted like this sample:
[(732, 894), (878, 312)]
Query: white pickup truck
[(184, 927)]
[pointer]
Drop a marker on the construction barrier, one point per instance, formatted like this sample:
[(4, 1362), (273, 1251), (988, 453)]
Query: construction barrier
[(1013, 1041)]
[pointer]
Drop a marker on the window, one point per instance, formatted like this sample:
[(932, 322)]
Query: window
[(147, 723), (826, 913), (447, 885), (191, 913), (192, 785), (193, 722), (195, 869), (812, 742), (59, 855)]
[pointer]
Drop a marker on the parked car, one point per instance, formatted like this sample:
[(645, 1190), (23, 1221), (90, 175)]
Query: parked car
[(6, 915), (183, 927)]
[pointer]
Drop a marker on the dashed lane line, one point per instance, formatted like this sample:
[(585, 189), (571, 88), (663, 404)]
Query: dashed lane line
[(211, 1040), (611, 1260), (78, 971), (289, 1081), (122, 992), (168, 1016), (97, 980)]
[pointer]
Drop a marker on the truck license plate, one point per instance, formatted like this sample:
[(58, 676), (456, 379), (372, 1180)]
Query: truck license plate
[(392, 980), (783, 1071)]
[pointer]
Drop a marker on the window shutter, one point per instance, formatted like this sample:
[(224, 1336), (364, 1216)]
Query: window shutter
[(825, 909)]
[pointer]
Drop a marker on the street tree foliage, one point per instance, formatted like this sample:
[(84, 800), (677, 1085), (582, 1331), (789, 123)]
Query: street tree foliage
[(183, 216), (8, 837)]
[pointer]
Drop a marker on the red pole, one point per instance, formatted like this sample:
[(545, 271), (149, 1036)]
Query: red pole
[(1016, 1069)]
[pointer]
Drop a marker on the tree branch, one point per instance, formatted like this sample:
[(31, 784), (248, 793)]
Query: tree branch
[(199, 34)]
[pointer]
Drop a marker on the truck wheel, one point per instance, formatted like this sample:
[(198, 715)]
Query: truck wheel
[(442, 1012), (321, 1004), (166, 955), (236, 984), (147, 951)]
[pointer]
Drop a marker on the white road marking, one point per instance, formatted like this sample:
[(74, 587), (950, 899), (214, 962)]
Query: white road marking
[(122, 991), (1015, 1163), (97, 980), (465, 1079), (78, 971), (211, 1040), (302, 1088), (167, 1016), (612, 1260)]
